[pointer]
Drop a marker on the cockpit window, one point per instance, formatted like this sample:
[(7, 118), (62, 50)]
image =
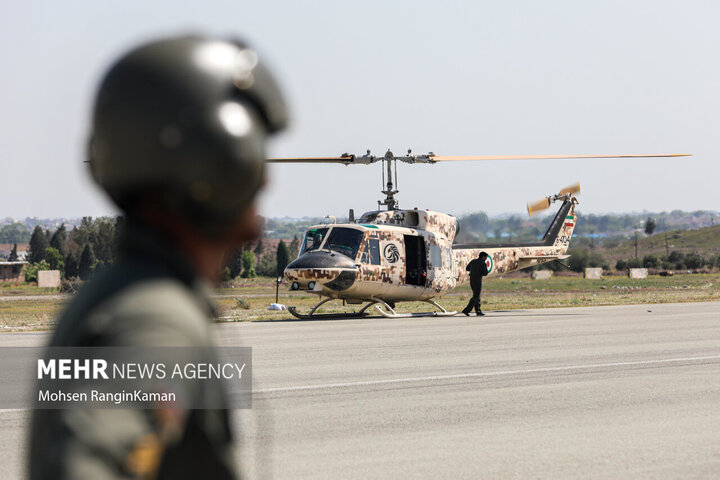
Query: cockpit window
[(313, 239), (345, 241)]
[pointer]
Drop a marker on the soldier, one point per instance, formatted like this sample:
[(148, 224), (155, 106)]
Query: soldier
[(478, 269), (178, 143)]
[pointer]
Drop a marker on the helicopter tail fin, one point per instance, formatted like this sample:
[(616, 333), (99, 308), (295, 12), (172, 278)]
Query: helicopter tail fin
[(561, 229)]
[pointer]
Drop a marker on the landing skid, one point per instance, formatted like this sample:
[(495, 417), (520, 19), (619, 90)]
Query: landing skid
[(389, 311), (315, 316), (393, 314)]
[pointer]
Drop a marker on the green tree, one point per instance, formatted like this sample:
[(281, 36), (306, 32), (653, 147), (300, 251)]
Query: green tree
[(71, 266), (282, 258), (267, 266), (248, 262), (59, 240), (235, 264), (14, 233), (621, 265), (694, 261), (650, 226), (294, 247), (87, 262), (54, 259), (13, 254), (634, 263), (31, 270), (103, 239), (677, 259), (650, 261), (38, 245), (226, 275), (582, 258), (258, 251)]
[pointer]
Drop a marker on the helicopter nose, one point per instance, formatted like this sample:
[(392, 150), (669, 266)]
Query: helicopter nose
[(318, 270), (321, 260)]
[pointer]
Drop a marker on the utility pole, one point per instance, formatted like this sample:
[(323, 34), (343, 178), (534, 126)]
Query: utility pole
[(636, 245), (667, 248)]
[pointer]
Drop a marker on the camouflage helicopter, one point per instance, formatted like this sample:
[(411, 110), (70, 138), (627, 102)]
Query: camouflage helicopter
[(397, 255)]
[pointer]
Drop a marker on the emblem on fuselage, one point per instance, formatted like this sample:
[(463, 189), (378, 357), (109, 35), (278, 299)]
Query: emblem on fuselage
[(391, 253)]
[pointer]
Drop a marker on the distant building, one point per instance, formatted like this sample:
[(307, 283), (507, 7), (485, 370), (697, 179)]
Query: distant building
[(12, 271), (6, 248)]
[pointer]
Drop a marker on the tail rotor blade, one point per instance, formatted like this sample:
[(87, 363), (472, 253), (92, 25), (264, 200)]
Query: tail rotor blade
[(538, 206), (571, 189)]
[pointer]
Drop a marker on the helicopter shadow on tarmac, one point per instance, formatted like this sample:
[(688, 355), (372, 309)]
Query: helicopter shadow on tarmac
[(489, 316)]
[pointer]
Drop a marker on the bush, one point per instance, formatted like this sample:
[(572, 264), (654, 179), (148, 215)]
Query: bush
[(694, 261), (248, 262), (31, 270), (55, 259), (582, 258), (676, 257), (650, 261), (621, 265), (242, 304), (634, 263)]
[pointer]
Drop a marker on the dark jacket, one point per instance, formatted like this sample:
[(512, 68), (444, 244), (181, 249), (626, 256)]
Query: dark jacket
[(477, 269)]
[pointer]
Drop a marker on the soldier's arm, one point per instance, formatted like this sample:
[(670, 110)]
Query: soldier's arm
[(122, 443)]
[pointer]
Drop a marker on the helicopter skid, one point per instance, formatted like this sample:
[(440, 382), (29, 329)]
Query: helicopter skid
[(393, 314), (387, 312), (315, 316)]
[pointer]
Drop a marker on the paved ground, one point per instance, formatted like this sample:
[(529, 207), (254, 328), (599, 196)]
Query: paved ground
[(609, 392)]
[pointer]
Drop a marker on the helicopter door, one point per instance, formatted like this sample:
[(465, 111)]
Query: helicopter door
[(415, 260)]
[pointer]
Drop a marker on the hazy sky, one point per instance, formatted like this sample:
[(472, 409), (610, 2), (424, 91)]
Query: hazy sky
[(455, 78)]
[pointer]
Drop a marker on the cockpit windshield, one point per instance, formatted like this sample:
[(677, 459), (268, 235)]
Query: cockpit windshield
[(313, 239), (345, 240)]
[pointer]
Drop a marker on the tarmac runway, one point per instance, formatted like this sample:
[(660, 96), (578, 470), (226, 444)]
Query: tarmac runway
[(605, 392)]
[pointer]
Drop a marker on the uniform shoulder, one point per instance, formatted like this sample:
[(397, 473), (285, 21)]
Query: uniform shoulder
[(157, 310)]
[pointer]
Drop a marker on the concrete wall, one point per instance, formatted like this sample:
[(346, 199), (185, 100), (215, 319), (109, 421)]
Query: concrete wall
[(541, 274), (638, 273), (49, 278), (593, 273)]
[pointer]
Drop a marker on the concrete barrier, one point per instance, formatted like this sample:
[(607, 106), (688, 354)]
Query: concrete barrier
[(638, 273), (593, 273), (49, 278), (541, 274)]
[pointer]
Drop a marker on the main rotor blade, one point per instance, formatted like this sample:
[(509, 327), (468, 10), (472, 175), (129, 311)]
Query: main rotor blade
[(452, 158), (343, 159)]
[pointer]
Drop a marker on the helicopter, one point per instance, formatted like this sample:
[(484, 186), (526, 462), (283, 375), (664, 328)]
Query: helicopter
[(409, 255)]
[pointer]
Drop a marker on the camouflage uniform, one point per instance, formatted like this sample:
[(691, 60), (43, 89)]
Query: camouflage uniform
[(150, 297), (177, 139)]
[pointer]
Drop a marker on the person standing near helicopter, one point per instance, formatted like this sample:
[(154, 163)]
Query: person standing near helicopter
[(478, 269)]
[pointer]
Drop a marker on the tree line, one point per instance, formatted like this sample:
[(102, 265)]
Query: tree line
[(93, 244), (582, 258), (76, 253)]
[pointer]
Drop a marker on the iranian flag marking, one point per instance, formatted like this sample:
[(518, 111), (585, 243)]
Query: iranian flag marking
[(489, 263), (570, 221)]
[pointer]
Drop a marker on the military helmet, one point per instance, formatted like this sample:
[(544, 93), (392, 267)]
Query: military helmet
[(186, 120)]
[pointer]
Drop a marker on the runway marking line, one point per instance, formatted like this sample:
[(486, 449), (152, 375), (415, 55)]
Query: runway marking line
[(594, 366)]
